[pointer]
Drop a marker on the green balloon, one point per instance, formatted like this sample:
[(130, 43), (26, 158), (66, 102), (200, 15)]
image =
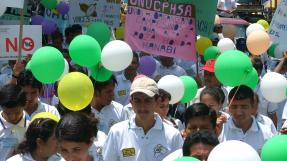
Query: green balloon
[(85, 51), (100, 73), (187, 159), (211, 53), (190, 88), (271, 50), (252, 79), (50, 4), (275, 149), (47, 64), (232, 68), (101, 32)]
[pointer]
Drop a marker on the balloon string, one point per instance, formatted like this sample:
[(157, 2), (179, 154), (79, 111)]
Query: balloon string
[(237, 89)]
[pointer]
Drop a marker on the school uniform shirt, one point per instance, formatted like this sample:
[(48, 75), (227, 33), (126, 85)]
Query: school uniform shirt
[(255, 136), (174, 155), (122, 90), (11, 134), (265, 106), (127, 142), (28, 157), (96, 149), (267, 122), (172, 70), (5, 79), (129, 110), (109, 115), (43, 107)]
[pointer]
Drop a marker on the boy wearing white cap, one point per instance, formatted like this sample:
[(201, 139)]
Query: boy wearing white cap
[(144, 137)]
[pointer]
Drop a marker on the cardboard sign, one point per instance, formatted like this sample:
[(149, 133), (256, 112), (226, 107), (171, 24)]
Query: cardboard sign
[(62, 21), (278, 26), (86, 11), (13, 3), (12, 16), (205, 14), (161, 28), (9, 43)]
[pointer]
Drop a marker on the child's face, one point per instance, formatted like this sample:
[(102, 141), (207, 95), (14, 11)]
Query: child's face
[(12, 115)]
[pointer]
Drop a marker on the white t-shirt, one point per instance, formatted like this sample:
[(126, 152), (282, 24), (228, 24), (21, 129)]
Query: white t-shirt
[(265, 106), (267, 122), (109, 115), (284, 114), (173, 70), (174, 155), (122, 90), (127, 142), (11, 134), (129, 110), (96, 149), (226, 4), (43, 107), (255, 136), (28, 157)]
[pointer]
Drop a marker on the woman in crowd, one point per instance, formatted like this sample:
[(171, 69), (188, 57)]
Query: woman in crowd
[(79, 138), (39, 143), (214, 98)]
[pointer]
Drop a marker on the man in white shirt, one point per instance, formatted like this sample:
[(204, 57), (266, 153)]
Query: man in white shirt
[(167, 66), (124, 81), (226, 7), (33, 89), (242, 125), (261, 118), (107, 111), (13, 121), (144, 137)]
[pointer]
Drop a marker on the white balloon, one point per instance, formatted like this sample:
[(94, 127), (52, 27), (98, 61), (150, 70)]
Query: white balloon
[(66, 69), (273, 87), (254, 27), (233, 150), (279, 51), (116, 55), (2, 9), (174, 86), (225, 44)]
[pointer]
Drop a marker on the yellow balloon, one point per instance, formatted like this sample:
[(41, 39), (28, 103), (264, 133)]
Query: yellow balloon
[(46, 115), (202, 44), (120, 32), (258, 42), (264, 23), (75, 91)]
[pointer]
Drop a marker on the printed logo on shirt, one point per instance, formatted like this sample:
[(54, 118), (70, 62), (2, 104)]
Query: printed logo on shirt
[(159, 151), (122, 92), (128, 152)]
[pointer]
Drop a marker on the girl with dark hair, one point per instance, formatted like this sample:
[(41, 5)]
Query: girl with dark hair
[(79, 138), (214, 98), (39, 143)]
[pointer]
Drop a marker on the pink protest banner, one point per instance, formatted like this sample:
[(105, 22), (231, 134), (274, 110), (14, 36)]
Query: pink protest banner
[(159, 27)]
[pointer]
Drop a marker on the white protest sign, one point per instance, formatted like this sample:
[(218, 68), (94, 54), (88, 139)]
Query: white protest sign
[(9, 43), (10, 3), (86, 11), (278, 26)]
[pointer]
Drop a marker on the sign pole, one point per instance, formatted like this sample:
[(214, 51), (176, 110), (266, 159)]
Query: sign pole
[(21, 32)]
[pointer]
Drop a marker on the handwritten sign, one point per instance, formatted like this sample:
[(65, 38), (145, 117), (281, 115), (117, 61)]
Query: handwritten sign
[(205, 14), (278, 26), (9, 43), (86, 11), (62, 21), (161, 28)]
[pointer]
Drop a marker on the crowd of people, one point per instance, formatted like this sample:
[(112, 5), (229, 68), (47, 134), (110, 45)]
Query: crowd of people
[(130, 117)]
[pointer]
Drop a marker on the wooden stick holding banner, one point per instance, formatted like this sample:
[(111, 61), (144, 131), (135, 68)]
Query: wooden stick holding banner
[(21, 32)]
